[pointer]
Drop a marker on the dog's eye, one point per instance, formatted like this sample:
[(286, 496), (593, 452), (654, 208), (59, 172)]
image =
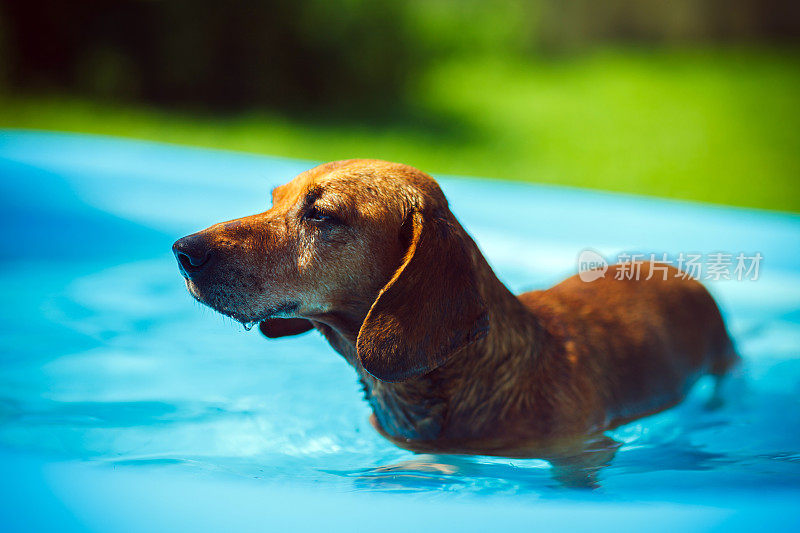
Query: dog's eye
[(315, 214)]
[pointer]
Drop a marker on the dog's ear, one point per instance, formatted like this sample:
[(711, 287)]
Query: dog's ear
[(429, 309), (282, 327)]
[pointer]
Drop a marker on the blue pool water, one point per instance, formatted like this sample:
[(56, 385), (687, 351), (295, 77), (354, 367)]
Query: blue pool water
[(125, 406)]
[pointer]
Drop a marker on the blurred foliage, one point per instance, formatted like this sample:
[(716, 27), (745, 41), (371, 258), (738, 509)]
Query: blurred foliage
[(689, 99), (219, 55), (709, 125), (334, 56), (575, 23)]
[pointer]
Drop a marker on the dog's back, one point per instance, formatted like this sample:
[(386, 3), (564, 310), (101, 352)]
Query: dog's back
[(637, 345)]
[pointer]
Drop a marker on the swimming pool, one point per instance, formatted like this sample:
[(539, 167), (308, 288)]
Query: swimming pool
[(126, 406)]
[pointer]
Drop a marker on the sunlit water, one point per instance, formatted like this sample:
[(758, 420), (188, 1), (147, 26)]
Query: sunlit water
[(106, 360)]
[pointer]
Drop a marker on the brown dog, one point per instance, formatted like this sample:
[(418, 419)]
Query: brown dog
[(368, 253)]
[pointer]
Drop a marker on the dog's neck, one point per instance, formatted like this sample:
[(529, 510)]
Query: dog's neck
[(418, 409)]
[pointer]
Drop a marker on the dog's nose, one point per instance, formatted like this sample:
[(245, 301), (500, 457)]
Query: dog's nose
[(192, 253)]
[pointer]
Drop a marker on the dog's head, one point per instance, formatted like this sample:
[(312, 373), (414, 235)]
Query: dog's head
[(367, 247)]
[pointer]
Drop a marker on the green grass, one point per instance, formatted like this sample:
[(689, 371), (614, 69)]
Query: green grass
[(718, 126)]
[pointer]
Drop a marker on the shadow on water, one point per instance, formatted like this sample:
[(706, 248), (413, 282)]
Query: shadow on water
[(48, 221), (448, 472)]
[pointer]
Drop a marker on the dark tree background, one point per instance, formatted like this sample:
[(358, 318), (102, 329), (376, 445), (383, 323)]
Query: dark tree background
[(218, 54), (321, 55)]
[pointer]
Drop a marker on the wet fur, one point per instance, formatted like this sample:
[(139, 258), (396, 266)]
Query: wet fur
[(450, 360)]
